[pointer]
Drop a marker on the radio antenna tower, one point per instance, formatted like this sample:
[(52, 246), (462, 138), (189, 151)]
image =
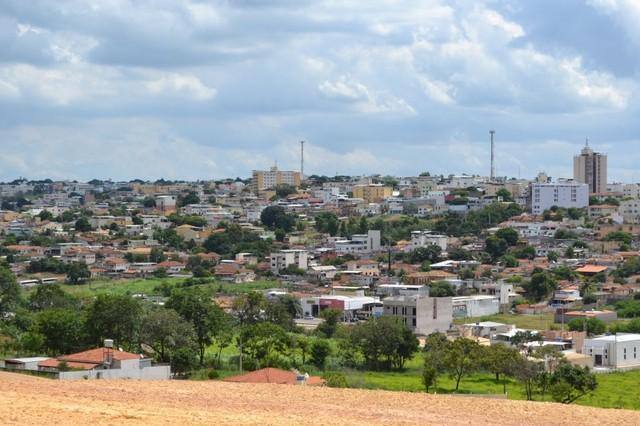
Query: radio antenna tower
[(493, 163), (301, 159)]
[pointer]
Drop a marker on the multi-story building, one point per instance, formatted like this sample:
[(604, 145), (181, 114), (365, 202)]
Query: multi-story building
[(424, 315), (565, 194), (372, 193), (360, 243), (284, 258), (269, 179), (630, 211), (428, 238), (591, 168)]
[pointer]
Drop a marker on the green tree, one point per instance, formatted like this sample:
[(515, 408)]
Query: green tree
[(82, 225), (569, 383), (51, 296), (264, 342), (461, 358), (499, 360), (45, 215), (275, 217), (429, 253), (593, 326), (441, 289), (327, 222), (149, 202), (189, 198), (196, 308), (384, 342), (510, 235), (526, 372), (166, 332), (78, 272), (157, 255), (540, 286), (9, 291), (505, 194), (330, 324), (495, 246), (62, 330), (320, 350), (283, 190), (113, 316)]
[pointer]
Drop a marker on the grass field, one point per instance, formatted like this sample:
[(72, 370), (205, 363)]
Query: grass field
[(150, 286), (532, 322)]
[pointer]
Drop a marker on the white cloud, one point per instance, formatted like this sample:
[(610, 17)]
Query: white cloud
[(182, 85), (364, 99)]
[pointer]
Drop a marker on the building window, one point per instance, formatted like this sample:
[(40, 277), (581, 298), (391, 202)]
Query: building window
[(413, 322)]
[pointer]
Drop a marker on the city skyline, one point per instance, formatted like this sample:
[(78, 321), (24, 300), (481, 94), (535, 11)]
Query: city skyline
[(201, 90)]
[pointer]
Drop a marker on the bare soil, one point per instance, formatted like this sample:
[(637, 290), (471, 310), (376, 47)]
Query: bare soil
[(32, 400)]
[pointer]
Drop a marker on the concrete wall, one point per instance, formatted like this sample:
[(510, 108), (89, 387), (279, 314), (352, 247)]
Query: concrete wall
[(433, 314), (160, 372)]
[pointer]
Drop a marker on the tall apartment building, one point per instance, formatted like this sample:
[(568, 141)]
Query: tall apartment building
[(565, 194), (372, 193), (591, 168), (269, 179)]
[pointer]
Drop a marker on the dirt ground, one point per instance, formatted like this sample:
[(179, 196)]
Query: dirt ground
[(31, 400)]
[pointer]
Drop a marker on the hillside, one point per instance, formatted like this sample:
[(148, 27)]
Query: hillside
[(31, 400)]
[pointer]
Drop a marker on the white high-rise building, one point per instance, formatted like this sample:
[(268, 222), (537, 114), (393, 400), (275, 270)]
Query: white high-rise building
[(591, 168), (565, 194)]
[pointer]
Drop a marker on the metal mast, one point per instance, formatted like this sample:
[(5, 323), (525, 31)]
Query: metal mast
[(301, 159), (493, 164)]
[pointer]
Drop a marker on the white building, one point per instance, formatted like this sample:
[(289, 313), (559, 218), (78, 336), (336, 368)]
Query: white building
[(360, 243), (427, 238), (630, 211), (284, 258), (565, 194), (475, 306), (424, 315), (619, 351)]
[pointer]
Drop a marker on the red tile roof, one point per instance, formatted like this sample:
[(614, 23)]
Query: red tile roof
[(88, 359), (273, 375)]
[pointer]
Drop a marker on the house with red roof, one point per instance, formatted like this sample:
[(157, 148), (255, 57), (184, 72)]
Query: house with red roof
[(105, 363), (277, 376)]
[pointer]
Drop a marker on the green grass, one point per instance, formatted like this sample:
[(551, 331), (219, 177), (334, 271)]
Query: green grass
[(149, 287), (615, 390), (533, 322)]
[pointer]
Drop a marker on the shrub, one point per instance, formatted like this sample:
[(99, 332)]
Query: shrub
[(336, 380)]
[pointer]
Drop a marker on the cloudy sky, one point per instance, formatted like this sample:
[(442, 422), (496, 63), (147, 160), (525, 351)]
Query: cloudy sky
[(209, 89)]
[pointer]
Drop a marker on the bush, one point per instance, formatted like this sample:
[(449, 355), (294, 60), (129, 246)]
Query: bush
[(213, 375), (336, 380)]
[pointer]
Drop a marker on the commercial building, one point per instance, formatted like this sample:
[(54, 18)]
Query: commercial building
[(422, 314), (565, 194), (372, 193), (269, 179), (618, 351), (591, 168)]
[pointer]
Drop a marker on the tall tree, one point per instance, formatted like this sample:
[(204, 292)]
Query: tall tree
[(461, 358), (9, 290), (62, 329), (166, 332), (115, 317), (195, 307)]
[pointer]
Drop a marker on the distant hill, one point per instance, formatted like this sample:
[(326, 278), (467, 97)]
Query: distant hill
[(32, 400)]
